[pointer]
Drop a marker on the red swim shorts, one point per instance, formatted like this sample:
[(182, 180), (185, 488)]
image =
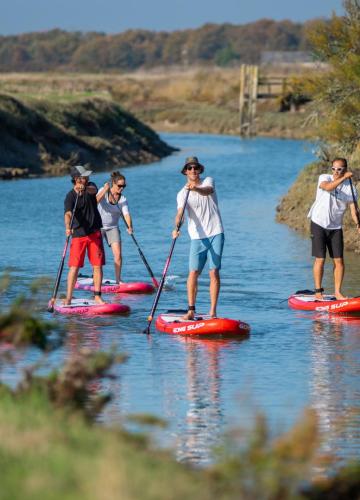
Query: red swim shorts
[(93, 244)]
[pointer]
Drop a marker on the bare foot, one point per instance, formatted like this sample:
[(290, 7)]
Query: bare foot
[(190, 315), (319, 296), (212, 314), (66, 302), (340, 296), (99, 300)]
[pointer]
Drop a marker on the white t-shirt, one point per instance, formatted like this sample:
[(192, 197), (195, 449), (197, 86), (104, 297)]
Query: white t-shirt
[(329, 207), (203, 213), (110, 214)]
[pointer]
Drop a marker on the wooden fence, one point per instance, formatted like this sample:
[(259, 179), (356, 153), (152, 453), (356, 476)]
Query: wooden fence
[(253, 88)]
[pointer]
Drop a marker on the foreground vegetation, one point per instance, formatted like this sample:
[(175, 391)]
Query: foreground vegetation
[(52, 448)]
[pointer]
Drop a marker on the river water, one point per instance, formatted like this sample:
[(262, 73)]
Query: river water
[(201, 387)]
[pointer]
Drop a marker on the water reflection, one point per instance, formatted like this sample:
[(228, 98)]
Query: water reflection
[(335, 373), (204, 420)]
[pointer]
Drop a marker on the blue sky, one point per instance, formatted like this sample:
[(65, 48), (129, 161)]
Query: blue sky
[(113, 16)]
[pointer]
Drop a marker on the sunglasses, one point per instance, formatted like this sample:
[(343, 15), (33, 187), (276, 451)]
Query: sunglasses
[(193, 167), (340, 169), (123, 186)]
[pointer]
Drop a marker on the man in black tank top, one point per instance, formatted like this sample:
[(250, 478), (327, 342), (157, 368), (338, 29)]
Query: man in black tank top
[(85, 231)]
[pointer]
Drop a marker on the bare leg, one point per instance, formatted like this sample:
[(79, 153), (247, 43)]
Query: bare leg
[(116, 250), (192, 287), (98, 276), (318, 271), (339, 270), (71, 280), (214, 290)]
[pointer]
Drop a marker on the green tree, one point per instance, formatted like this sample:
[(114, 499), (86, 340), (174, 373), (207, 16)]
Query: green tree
[(337, 91)]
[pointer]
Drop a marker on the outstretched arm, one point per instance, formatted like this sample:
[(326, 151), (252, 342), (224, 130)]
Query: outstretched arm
[(331, 185), (204, 191)]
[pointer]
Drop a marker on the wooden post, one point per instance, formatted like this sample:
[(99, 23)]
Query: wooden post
[(254, 91), (241, 97), (249, 78)]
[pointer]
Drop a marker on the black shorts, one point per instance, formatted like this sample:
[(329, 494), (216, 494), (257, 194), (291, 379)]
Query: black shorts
[(332, 239)]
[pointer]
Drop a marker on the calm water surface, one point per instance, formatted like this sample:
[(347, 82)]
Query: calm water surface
[(204, 387)]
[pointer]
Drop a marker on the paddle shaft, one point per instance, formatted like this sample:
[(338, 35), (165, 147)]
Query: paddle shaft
[(61, 265), (355, 202), (167, 264), (154, 280)]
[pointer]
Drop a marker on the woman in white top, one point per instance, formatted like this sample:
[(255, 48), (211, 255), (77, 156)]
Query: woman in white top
[(112, 205)]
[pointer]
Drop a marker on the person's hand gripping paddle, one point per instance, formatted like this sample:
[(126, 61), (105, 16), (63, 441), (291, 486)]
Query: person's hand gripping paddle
[(154, 280), (167, 264), (61, 265)]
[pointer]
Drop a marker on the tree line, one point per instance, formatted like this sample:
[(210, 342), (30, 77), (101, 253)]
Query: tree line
[(211, 44)]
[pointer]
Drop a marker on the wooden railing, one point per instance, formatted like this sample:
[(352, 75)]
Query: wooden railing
[(253, 88)]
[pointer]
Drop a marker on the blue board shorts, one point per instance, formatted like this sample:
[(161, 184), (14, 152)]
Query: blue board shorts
[(210, 249)]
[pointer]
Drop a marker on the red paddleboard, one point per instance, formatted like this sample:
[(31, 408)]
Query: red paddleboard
[(308, 302), (110, 286), (90, 307), (202, 325)]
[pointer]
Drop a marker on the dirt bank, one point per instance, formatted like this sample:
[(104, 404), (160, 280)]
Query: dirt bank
[(45, 138)]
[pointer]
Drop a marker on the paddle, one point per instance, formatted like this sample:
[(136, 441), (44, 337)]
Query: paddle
[(61, 265), (167, 263), (355, 202), (154, 280)]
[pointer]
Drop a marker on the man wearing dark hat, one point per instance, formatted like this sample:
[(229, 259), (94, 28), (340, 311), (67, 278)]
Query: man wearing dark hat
[(85, 231), (205, 229)]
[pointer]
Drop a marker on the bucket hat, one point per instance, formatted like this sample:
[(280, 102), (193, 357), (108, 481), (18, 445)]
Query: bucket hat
[(192, 160)]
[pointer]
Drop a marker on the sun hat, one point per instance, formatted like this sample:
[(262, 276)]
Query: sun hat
[(192, 160), (80, 171)]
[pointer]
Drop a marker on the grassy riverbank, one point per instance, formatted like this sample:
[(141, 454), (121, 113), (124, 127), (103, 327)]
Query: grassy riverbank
[(198, 100)]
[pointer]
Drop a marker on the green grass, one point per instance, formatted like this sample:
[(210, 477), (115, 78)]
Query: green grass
[(48, 454), (52, 453)]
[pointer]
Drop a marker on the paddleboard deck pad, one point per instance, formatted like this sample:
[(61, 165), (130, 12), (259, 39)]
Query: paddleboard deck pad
[(308, 302), (110, 286), (202, 325), (90, 307)]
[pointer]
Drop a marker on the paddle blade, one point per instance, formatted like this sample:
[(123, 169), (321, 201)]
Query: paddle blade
[(156, 283), (147, 329), (50, 307)]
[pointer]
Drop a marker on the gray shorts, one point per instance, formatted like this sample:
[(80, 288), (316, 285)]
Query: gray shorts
[(111, 235)]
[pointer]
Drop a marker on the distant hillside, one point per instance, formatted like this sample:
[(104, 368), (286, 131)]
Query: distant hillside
[(47, 138), (212, 44)]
